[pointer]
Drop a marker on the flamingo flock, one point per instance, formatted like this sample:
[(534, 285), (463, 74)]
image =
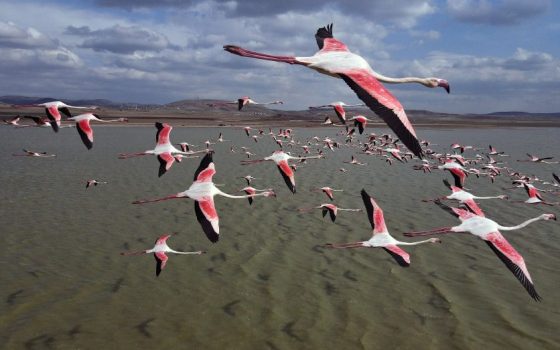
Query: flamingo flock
[(336, 60)]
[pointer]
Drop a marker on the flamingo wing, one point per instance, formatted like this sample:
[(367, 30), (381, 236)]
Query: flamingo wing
[(331, 212), (163, 131), (513, 261), (86, 133), (329, 193), (161, 261), (384, 104), (459, 176), (166, 160), (340, 113), (556, 178), (206, 169), (375, 214), (208, 218), (360, 126), (54, 116), (400, 256), (288, 175), (473, 207)]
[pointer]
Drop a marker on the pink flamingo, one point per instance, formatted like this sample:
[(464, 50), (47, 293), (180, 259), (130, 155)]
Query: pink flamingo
[(84, 127), (459, 173), (164, 150), (488, 230), (34, 154), (94, 182), (360, 121), (160, 249), (281, 160), (535, 159), (13, 121), (252, 191), (381, 237), (329, 208), (53, 110), (464, 197), (334, 59), (338, 109), (202, 191), (534, 196), (328, 191), (246, 100)]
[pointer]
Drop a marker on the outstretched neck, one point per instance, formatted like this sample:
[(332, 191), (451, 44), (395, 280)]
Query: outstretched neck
[(521, 225), (391, 80), (430, 240)]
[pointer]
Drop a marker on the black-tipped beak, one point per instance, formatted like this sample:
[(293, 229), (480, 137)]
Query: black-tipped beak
[(444, 84)]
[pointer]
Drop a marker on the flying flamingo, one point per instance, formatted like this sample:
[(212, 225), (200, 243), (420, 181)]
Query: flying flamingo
[(92, 182), (39, 122), (381, 237), (464, 197), (354, 161), (328, 191), (159, 250), (13, 121), (360, 121), (252, 191), (53, 110), (493, 152), (84, 127), (281, 160), (338, 109), (534, 196), (202, 191), (165, 152), (334, 59), (459, 173), (329, 208), (535, 159), (488, 230), (34, 154), (245, 100)]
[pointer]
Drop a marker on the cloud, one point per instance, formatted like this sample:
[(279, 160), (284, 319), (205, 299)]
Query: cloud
[(404, 13), (12, 36), (121, 39), (501, 12)]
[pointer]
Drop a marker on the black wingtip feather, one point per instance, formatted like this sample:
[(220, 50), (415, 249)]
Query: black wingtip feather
[(204, 163), (517, 272), (206, 225), (399, 259), (322, 34), (85, 139), (369, 207)]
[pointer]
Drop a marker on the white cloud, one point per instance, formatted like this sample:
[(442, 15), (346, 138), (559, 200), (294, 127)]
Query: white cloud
[(501, 12)]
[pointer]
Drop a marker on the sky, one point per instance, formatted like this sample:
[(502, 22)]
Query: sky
[(498, 55)]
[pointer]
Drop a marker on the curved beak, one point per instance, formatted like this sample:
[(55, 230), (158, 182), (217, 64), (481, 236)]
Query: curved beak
[(444, 84)]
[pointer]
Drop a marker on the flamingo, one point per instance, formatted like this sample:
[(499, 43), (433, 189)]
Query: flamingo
[(534, 195), (338, 109), (93, 182), (464, 197), (245, 100), (39, 121), (53, 110), (159, 250), (493, 152), (281, 159), (459, 173), (34, 154), (329, 208), (535, 159), (202, 191), (489, 231), (360, 121), (334, 59), (165, 152), (13, 121), (354, 161), (84, 127), (252, 191), (381, 237), (249, 178), (328, 191)]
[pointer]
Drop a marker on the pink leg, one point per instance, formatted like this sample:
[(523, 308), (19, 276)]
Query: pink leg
[(427, 233)]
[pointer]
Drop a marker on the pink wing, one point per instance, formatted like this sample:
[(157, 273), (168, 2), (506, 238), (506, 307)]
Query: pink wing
[(400, 256), (54, 116), (162, 239), (166, 160), (287, 174), (86, 133), (161, 261), (208, 218), (206, 169), (340, 113), (162, 135), (329, 194), (384, 104), (471, 204), (375, 214), (513, 260), (459, 176)]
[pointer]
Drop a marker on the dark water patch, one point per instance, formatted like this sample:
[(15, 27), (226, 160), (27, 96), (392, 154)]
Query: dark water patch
[(11, 298), (43, 341), (330, 288), (263, 277), (219, 257), (350, 276), (143, 327), (117, 286), (229, 307), (72, 333), (289, 330)]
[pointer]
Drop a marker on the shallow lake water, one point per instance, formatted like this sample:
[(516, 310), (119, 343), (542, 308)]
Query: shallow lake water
[(268, 283)]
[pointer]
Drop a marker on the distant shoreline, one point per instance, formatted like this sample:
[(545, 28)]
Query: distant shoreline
[(221, 118)]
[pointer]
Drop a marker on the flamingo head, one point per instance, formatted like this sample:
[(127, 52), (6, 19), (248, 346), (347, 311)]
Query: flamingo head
[(435, 240), (548, 217), (503, 196), (441, 83)]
